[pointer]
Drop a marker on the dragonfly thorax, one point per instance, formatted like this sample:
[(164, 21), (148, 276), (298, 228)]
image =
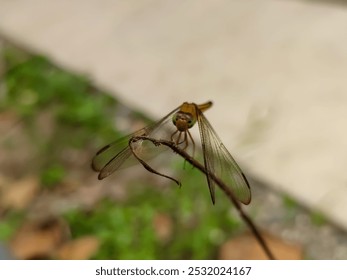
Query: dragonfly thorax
[(183, 121)]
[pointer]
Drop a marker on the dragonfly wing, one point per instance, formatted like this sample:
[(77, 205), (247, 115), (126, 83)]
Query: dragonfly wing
[(219, 162), (109, 153), (115, 163), (119, 155), (113, 156)]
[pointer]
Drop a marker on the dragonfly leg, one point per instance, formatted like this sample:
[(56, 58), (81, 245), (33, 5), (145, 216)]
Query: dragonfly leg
[(193, 143), (172, 136), (179, 138), (185, 140)]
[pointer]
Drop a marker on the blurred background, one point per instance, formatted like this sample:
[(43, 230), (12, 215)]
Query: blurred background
[(77, 75)]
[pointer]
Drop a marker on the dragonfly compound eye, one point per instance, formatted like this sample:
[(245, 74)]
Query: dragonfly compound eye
[(190, 123)]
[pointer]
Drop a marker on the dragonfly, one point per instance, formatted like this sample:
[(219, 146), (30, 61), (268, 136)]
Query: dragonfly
[(175, 126)]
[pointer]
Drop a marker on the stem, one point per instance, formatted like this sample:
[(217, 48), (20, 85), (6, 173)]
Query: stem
[(219, 182)]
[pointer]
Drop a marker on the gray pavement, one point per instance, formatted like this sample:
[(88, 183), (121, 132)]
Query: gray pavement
[(276, 71)]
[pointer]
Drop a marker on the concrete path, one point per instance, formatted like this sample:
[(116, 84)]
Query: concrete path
[(276, 71)]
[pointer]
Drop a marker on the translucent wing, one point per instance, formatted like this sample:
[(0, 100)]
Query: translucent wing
[(219, 162), (119, 155)]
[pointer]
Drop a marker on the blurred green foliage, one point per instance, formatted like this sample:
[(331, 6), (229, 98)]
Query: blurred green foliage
[(9, 225), (127, 229), (318, 218), (80, 117), (52, 175), (291, 206), (75, 114)]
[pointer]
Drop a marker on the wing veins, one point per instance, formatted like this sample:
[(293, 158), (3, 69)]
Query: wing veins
[(124, 153), (219, 162)]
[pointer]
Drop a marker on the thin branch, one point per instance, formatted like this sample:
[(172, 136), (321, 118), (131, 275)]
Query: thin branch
[(146, 165), (219, 182)]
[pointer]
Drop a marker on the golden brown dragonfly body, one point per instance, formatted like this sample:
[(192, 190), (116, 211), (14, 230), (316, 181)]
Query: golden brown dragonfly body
[(217, 159)]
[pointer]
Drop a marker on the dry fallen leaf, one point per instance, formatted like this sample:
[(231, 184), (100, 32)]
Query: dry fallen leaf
[(19, 194), (79, 249), (162, 224), (39, 240), (246, 247)]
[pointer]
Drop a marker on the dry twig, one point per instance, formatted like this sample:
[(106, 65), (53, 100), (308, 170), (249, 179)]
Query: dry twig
[(202, 168)]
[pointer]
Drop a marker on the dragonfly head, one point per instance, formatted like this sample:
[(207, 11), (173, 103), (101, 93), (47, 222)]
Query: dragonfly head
[(183, 120)]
